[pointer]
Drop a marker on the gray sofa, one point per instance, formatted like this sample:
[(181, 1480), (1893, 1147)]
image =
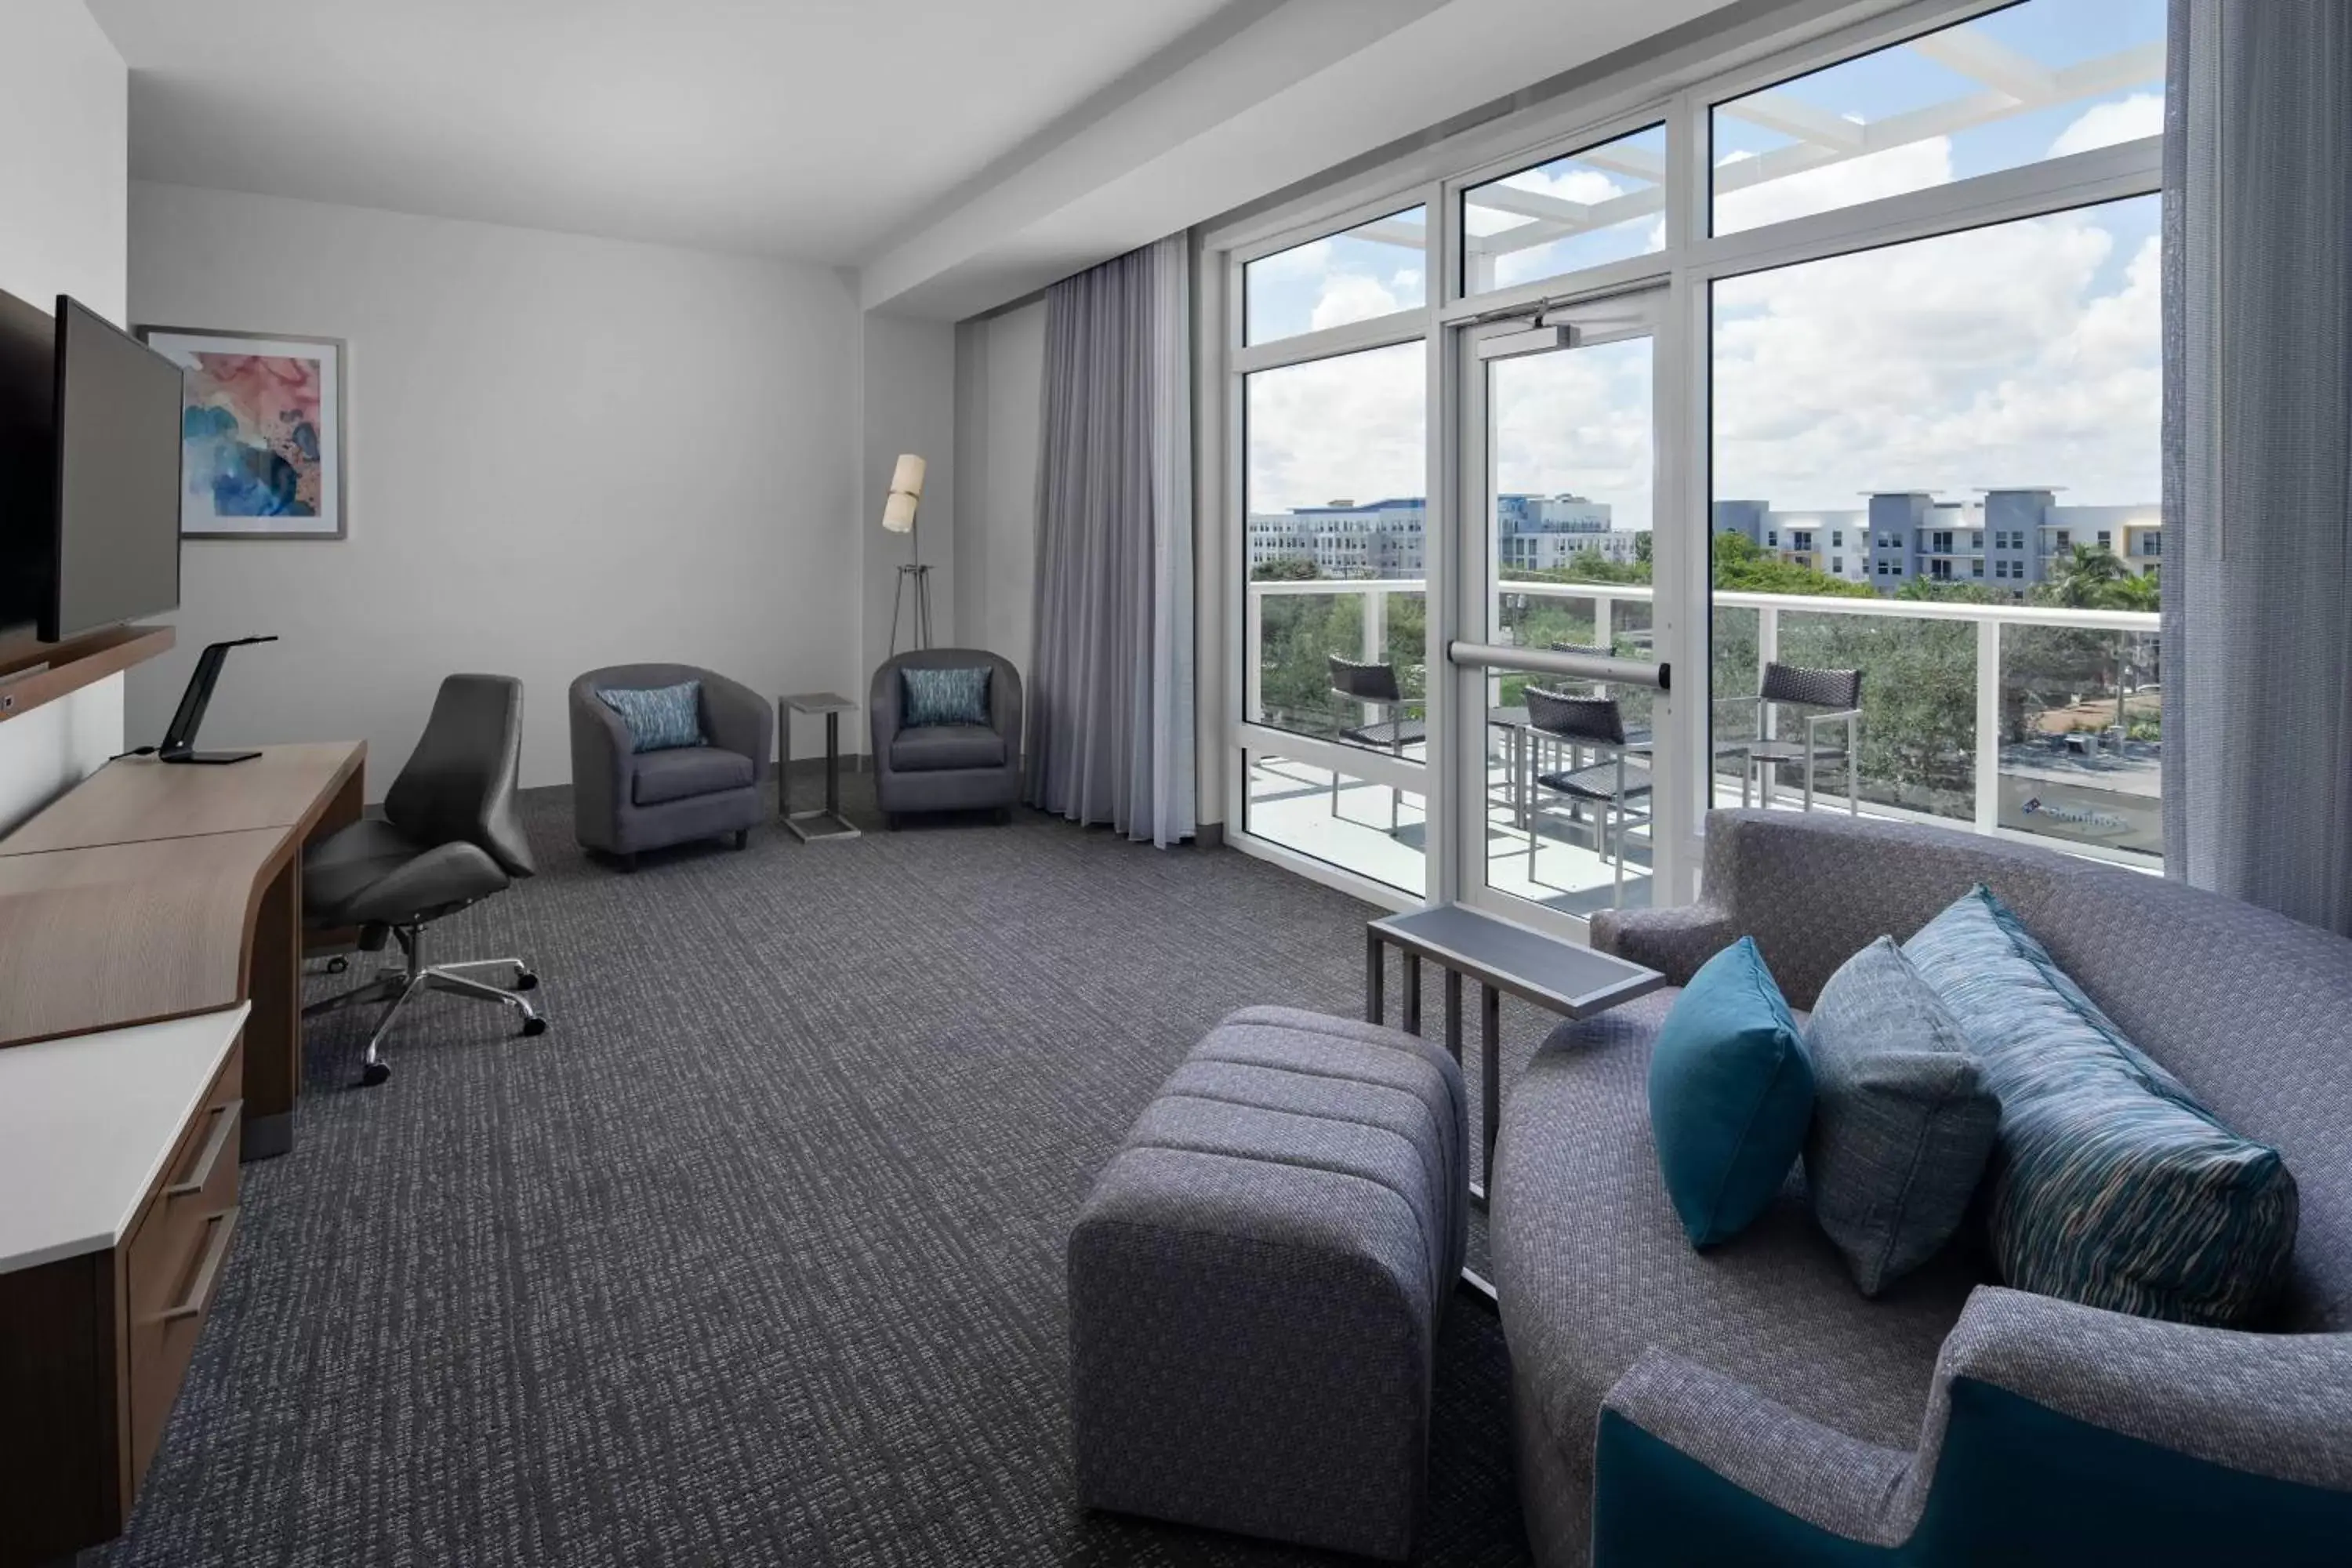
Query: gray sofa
[(1748, 1404), (623, 802), (946, 767)]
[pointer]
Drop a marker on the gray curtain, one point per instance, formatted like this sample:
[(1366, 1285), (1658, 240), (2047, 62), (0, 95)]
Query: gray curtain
[(1110, 687), (2258, 453)]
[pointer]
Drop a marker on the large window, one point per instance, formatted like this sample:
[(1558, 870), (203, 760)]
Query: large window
[(1602, 205), (1918, 386), (1373, 270), (2034, 82), (1335, 622), (1843, 360)]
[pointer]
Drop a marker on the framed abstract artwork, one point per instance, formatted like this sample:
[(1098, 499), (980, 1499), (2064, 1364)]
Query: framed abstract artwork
[(261, 431)]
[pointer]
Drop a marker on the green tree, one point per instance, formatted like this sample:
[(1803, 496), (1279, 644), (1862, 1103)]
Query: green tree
[(1289, 569), (2085, 578), (2136, 592), (1744, 566)]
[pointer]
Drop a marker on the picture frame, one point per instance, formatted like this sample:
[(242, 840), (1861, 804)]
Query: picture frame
[(264, 433)]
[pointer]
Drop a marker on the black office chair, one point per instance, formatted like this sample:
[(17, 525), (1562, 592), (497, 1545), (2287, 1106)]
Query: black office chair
[(448, 838)]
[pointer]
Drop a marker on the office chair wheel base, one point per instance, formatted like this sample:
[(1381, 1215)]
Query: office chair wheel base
[(526, 981), (534, 1026), (374, 1073)]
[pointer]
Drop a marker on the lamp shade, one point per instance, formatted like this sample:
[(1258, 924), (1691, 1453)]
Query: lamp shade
[(906, 491)]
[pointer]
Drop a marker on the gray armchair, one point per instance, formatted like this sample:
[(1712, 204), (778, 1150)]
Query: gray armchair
[(623, 800), (946, 767)]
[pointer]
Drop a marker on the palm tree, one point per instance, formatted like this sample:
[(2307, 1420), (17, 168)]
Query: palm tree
[(2136, 592), (2084, 577)]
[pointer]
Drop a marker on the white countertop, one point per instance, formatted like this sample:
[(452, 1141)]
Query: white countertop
[(85, 1124)]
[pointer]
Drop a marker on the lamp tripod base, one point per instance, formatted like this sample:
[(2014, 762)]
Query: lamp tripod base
[(919, 621)]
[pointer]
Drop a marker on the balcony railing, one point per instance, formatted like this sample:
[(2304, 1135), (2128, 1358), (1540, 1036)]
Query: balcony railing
[(2008, 718)]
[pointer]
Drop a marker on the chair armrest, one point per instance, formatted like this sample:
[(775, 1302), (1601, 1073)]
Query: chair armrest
[(882, 698), (1005, 705), (1829, 1479), (2274, 1405), (602, 760), (740, 720), (2094, 1419), (1673, 942)]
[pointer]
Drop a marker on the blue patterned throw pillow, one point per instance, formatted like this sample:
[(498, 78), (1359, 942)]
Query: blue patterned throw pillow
[(659, 718), (942, 696), (2112, 1186), (1903, 1124)]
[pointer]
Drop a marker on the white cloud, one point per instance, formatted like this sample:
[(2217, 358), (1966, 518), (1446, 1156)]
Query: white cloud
[(1914, 166), (1300, 261), (1349, 427), (2000, 355), (2106, 124), (2021, 354), (1351, 296), (1578, 422)]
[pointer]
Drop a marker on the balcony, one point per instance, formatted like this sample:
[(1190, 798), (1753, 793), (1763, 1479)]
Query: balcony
[(2018, 721)]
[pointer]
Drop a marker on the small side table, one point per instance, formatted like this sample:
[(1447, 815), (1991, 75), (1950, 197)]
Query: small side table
[(1558, 976), (832, 707)]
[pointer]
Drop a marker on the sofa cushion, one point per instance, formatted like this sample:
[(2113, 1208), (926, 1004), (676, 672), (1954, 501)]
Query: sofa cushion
[(660, 717), (931, 697), (685, 772), (935, 748), (1903, 1124), (2111, 1185), (1591, 1267), (1730, 1094)]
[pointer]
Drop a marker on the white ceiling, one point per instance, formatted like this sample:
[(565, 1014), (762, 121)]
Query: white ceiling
[(956, 154), (811, 129)]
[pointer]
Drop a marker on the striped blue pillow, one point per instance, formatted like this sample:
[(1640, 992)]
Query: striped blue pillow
[(659, 718), (943, 697), (2112, 1186)]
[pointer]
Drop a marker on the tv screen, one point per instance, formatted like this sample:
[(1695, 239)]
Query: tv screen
[(118, 478), (28, 459)]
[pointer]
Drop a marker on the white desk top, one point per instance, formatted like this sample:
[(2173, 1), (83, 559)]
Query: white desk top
[(86, 1123)]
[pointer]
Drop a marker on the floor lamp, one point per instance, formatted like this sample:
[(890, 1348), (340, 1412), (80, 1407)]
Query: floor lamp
[(898, 516)]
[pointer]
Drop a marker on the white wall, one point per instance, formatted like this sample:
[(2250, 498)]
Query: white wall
[(1000, 401), (64, 161), (908, 398), (564, 453)]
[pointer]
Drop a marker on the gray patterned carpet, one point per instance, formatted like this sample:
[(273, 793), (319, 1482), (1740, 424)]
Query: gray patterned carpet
[(756, 1257)]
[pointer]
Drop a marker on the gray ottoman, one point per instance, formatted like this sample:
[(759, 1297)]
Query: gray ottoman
[(1257, 1280)]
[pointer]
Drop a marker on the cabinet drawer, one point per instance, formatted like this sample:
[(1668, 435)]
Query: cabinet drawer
[(174, 1261)]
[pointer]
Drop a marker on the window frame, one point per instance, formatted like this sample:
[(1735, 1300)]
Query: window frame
[(1679, 89)]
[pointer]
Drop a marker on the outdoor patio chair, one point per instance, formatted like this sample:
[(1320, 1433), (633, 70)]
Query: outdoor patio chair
[(1369, 684), (1817, 699), (1617, 784)]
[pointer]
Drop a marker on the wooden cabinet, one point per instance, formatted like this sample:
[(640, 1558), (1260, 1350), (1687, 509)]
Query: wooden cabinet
[(93, 1346)]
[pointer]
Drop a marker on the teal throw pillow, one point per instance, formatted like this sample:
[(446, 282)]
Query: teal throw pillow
[(660, 717), (2112, 1186), (1730, 1095), (1903, 1122), (942, 696)]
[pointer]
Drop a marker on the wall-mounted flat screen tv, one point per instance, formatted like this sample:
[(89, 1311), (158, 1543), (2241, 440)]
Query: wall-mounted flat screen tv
[(117, 526), (28, 459)]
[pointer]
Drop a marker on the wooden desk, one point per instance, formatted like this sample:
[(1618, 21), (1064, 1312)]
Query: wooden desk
[(153, 891), (134, 800), (122, 1211)]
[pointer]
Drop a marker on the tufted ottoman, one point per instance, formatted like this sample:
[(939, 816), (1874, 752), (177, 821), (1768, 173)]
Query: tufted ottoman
[(1256, 1281)]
